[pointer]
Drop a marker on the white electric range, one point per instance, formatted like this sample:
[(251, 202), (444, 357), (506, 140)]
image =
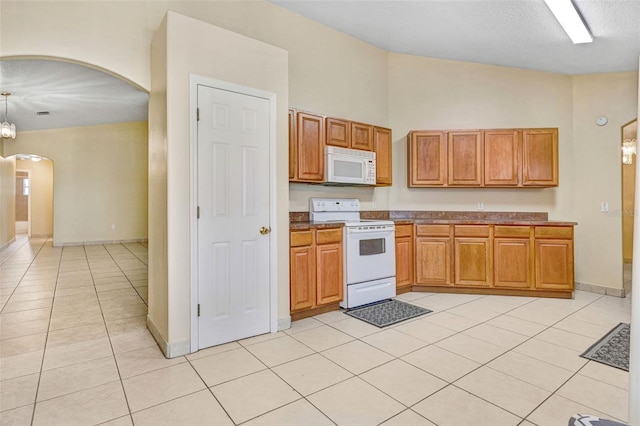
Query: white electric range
[(369, 250)]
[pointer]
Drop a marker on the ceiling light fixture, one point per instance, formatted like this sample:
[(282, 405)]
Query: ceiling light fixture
[(8, 129), (566, 13)]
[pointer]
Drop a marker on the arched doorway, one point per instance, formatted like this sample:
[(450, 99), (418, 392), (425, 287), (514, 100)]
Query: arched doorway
[(34, 195), (93, 124)]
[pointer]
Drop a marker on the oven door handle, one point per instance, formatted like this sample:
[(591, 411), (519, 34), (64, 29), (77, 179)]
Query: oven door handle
[(386, 230)]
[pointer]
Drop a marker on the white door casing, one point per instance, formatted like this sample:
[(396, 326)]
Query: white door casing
[(234, 198)]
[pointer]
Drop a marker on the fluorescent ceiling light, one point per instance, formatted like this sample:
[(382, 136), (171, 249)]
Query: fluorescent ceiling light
[(568, 17)]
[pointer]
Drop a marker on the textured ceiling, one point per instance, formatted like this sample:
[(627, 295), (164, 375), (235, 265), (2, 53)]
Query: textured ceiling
[(514, 33), (74, 94)]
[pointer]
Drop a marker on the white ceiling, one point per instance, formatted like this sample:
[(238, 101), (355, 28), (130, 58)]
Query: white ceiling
[(74, 94), (515, 33)]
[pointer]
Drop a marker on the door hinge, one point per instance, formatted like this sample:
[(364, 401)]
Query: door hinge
[(198, 309), (197, 114), (198, 212)]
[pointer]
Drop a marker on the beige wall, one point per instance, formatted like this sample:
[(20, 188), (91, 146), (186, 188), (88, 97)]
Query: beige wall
[(41, 195), (100, 180), (429, 93), (598, 238), (628, 195), (195, 47), (7, 200), (331, 73)]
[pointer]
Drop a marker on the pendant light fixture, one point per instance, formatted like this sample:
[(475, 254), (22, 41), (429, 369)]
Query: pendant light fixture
[(8, 129)]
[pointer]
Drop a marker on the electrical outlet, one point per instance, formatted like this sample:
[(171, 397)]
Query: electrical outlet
[(373, 205), (604, 207), (113, 226), (480, 205)]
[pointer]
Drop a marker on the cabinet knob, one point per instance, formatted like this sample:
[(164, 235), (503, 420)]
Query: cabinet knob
[(265, 230)]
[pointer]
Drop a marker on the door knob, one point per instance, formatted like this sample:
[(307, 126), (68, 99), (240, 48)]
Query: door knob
[(264, 230)]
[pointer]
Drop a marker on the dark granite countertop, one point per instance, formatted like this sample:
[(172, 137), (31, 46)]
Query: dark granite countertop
[(300, 220)]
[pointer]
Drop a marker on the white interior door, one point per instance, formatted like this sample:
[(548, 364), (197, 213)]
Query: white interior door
[(233, 200)]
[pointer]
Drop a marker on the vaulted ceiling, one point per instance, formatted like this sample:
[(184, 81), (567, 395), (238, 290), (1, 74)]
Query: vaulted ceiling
[(514, 33)]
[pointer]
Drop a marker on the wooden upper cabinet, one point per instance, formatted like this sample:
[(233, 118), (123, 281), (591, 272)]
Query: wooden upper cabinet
[(501, 157), (338, 132), (293, 149), (427, 158), (361, 136), (540, 157), (483, 158), (382, 145), (465, 158), (310, 144)]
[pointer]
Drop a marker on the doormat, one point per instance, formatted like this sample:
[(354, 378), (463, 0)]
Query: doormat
[(612, 349), (387, 312)]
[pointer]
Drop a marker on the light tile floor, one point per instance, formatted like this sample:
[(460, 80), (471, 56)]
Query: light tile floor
[(74, 349)]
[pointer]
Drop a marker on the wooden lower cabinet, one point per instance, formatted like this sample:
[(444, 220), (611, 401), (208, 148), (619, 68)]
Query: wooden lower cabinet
[(404, 256), (512, 262), (329, 285), (554, 264), (499, 259), (472, 259), (316, 269), (433, 260), (303, 278)]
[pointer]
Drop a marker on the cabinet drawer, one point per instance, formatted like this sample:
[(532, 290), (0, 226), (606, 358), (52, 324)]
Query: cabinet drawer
[(511, 231), (326, 236), (404, 230), (565, 232), (432, 230), (301, 238), (471, 230)]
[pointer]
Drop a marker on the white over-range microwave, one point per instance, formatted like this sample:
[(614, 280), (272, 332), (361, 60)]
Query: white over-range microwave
[(349, 166)]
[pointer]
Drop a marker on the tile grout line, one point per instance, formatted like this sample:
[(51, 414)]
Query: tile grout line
[(44, 350), (125, 274), (23, 275), (113, 354)]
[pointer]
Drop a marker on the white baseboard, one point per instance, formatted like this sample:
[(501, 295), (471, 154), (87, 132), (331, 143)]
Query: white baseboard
[(593, 288), (284, 323), (8, 243), (170, 350), (91, 243)]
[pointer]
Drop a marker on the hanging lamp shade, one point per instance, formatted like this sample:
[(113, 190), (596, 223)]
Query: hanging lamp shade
[(8, 130)]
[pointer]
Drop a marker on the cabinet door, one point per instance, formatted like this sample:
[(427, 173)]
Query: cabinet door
[(554, 264), (433, 261), (310, 133), (303, 278), (473, 265), (465, 158), (540, 157), (382, 147), (338, 132), (404, 261), (329, 284), (293, 149), (512, 262), (362, 136), (427, 158), (501, 157)]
